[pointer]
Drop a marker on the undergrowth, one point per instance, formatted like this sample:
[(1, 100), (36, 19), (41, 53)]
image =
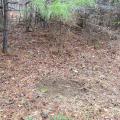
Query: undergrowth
[(60, 9), (59, 117)]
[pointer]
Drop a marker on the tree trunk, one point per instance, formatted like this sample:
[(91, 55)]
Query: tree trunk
[(5, 32)]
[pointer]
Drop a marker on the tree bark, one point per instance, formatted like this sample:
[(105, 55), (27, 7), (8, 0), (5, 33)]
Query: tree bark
[(5, 32)]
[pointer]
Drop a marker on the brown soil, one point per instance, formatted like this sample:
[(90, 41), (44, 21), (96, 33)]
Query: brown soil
[(48, 72)]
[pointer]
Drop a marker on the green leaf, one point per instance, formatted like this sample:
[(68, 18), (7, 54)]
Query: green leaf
[(44, 89)]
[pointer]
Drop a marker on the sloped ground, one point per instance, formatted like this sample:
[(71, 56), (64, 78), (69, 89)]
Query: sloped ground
[(47, 74)]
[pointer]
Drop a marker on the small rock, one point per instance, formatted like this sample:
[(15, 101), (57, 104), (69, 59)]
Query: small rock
[(44, 114)]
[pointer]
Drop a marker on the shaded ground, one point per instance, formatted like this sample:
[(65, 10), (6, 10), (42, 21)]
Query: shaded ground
[(47, 74)]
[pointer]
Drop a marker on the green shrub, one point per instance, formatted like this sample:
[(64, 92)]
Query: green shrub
[(60, 9)]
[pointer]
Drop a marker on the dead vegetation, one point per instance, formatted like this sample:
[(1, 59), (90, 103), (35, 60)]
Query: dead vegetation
[(51, 72)]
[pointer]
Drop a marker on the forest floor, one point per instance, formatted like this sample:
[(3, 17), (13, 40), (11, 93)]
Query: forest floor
[(47, 74)]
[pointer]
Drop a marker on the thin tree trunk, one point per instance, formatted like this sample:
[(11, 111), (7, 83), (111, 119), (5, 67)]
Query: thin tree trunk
[(5, 32)]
